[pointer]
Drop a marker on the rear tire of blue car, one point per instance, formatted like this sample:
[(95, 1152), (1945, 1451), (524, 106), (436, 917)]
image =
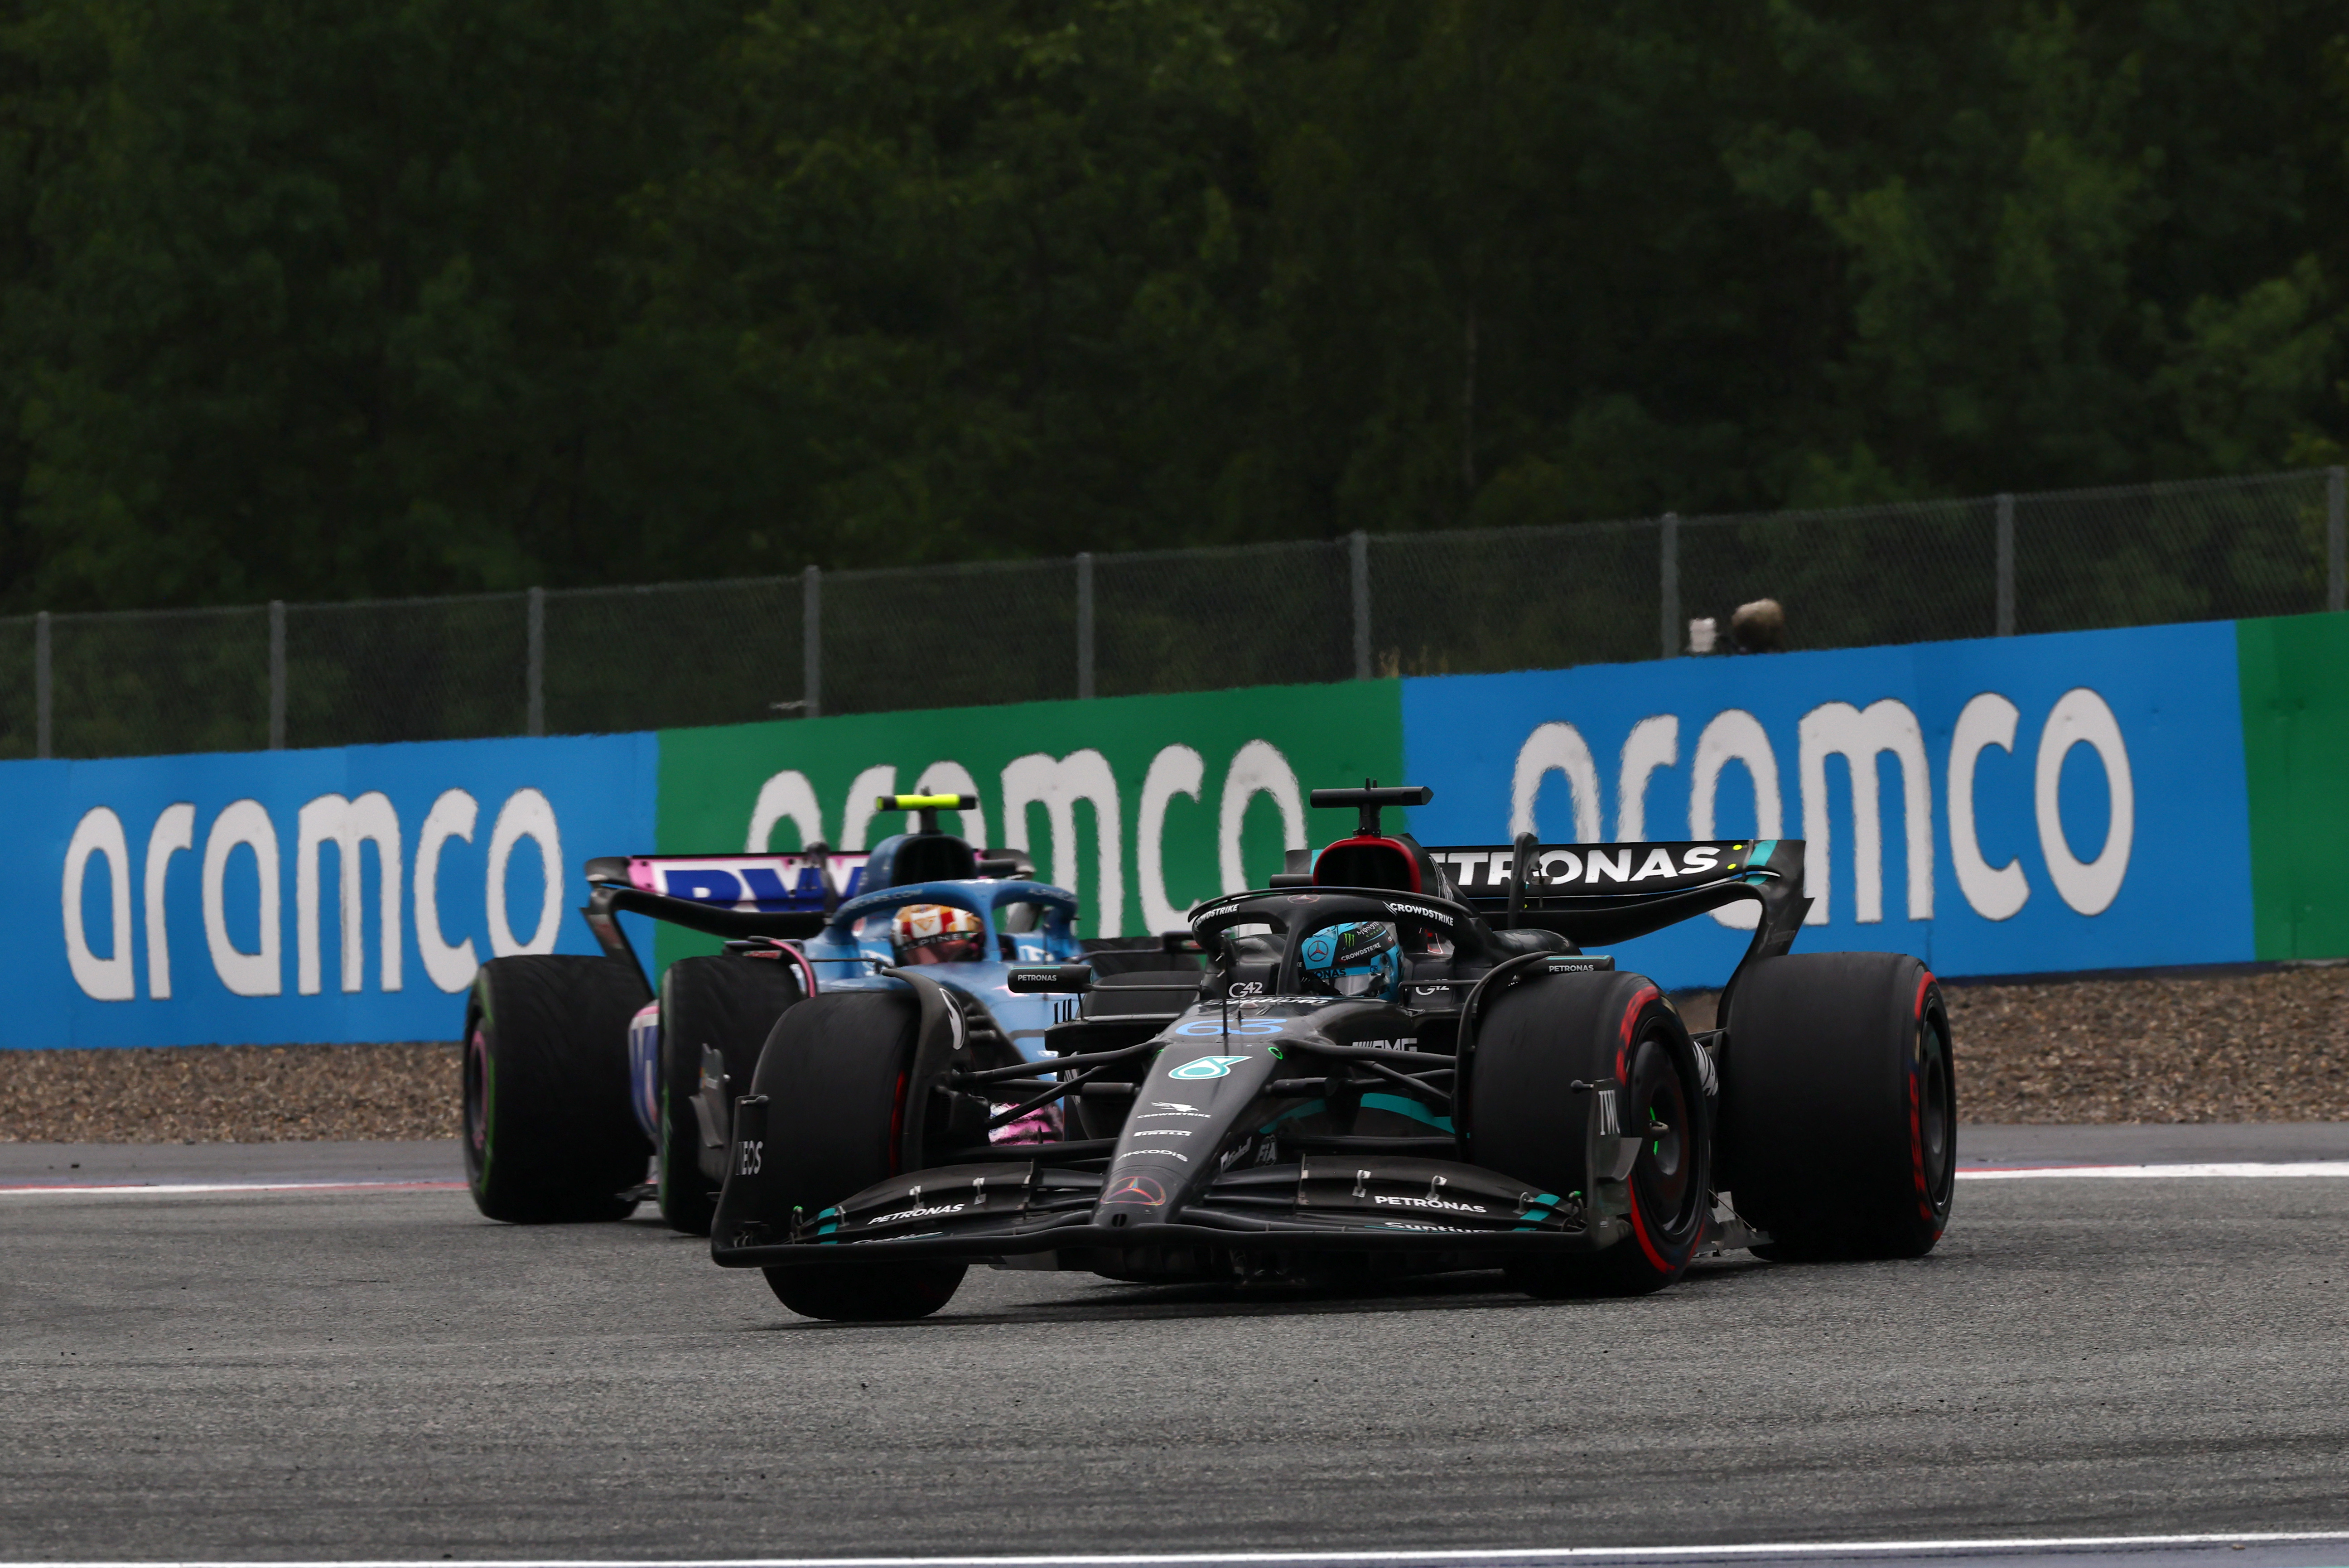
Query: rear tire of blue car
[(550, 1134), (1839, 1106), (837, 1074), (1527, 1119), (731, 1003)]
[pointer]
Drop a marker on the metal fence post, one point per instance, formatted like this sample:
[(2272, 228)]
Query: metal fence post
[(43, 708), (1669, 572), (2336, 538), (277, 675), (537, 676), (1359, 549), (1084, 623), (811, 642), (2005, 564)]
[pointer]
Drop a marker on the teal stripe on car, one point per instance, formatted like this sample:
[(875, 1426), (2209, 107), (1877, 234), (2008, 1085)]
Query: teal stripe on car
[(1411, 1109)]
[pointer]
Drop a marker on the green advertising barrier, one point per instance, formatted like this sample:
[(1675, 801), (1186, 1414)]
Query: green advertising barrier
[(2294, 672), (1141, 805)]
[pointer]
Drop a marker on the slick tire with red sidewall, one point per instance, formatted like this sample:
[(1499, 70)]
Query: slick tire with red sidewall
[(1614, 1034), (550, 1134), (730, 1004), (1839, 1106), (836, 1073)]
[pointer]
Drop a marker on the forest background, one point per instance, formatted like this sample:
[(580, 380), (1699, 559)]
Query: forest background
[(317, 300)]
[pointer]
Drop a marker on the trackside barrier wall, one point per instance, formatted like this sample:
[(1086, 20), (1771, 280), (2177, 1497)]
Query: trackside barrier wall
[(2158, 795)]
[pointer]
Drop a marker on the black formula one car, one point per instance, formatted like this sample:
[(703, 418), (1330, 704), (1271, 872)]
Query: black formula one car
[(1399, 1060)]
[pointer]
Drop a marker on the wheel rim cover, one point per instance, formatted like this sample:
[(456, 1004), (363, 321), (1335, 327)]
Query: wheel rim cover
[(1665, 1169), (477, 1091)]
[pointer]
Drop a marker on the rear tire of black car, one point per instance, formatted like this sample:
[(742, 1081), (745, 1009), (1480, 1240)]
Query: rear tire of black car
[(549, 1135), (1527, 1120), (1839, 1107), (836, 1073), (731, 1004)]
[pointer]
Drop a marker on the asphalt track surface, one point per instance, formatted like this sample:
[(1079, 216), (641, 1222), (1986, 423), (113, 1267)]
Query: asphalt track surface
[(373, 1372)]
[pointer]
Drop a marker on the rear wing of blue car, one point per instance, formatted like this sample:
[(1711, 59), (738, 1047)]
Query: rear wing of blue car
[(785, 897), (732, 896)]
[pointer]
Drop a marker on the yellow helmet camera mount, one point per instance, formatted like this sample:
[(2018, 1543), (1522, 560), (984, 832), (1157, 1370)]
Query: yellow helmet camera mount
[(927, 805)]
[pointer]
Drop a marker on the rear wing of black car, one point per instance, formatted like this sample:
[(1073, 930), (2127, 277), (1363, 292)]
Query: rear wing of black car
[(1597, 893)]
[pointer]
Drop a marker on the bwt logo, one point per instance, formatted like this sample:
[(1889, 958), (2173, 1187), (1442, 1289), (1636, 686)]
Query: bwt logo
[(351, 827)]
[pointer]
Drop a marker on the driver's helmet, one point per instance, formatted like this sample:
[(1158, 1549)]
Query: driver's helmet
[(938, 933), (1357, 959)]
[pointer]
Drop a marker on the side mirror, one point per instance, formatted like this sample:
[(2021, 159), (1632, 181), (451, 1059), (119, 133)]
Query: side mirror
[(1050, 979)]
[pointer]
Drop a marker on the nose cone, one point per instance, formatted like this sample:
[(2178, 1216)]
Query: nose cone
[(1189, 1108)]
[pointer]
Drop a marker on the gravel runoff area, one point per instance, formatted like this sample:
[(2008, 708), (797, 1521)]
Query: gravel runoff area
[(2270, 1046)]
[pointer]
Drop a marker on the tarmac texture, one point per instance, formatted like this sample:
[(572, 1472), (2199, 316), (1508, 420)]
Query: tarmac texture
[(379, 1372)]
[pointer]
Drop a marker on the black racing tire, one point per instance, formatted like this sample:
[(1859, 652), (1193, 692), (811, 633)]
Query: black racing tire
[(1839, 1106), (731, 1004), (1527, 1120), (836, 1075), (550, 1134)]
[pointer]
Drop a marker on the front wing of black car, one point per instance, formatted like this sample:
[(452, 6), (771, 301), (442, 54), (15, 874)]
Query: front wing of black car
[(1323, 1203)]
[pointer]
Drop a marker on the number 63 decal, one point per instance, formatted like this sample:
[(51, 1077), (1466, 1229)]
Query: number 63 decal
[(1199, 1028)]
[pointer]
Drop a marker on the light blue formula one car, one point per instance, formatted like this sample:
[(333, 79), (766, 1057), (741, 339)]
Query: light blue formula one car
[(575, 1073)]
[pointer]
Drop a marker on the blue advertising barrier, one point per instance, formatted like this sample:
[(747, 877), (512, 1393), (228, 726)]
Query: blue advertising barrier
[(2005, 806), (2010, 806), (285, 896)]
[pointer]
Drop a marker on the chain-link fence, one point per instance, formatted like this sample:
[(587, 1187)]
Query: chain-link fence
[(585, 660)]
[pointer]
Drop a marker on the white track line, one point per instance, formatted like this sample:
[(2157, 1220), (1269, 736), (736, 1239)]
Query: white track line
[(191, 1189), (2334, 1167), (1759, 1550)]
